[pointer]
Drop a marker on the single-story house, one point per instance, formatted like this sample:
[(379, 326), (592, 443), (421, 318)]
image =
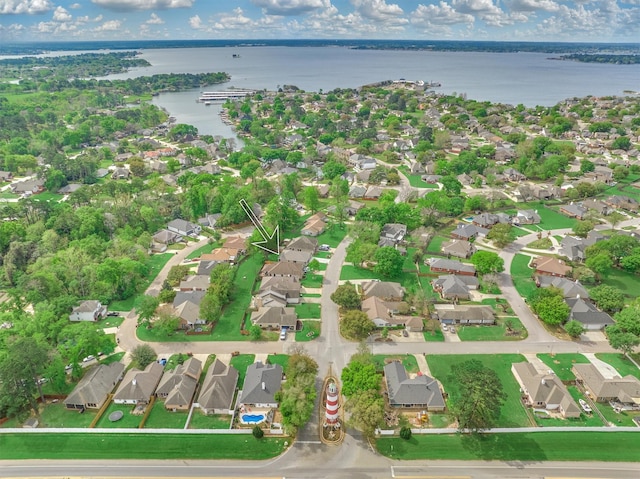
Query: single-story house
[(283, 269), (458, 248), (209, 220), (544, 390), (526, 217), (137, 387), (574, 211), (303, 243), (184, 227), (466, 314), (382, 313), (178, 386), (198, 282), (456, 287), (295, 256), (166, 237), (623, 202), (385, 290), (218, 389), (186, 305), (90, 310), (624, 390), (276, 317), (121, 174), (597, 205), (222, 255), (288, 288), (468, 231), (451, 266), (420, 392), (27, 187), (237, 243), (261, 384), (570, 289), (487, 220), (94, 387), (591, 318), (550, 266), (313, 227), (394, 232)]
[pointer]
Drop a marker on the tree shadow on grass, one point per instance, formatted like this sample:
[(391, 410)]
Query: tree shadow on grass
[(512, 448)]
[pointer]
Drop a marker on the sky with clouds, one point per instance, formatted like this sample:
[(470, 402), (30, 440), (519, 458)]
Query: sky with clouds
[(527, 20)]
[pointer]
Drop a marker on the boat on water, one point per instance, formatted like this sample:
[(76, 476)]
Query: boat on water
[(236, 55), (211, 96)]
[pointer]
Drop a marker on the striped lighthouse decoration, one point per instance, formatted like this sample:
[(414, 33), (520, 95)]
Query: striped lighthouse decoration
[(331, 414)]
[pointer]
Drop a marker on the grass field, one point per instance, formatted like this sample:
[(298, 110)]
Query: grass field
[(333, 236), (281, 359), (310, 330), (585, 420), (128, 420), (408, 361), (206, 249), (155, 263), (241, 362), (47, 197), (350, 272), (621, 363), (214, 421), (521, 275), (625, 281), (137, 446), (161, 418), (312, 280), (561, 364), (492, 333), (435, 245), (56, 415), (433, 336), (541, 446), (512, 413), (550, 219), (308, 311), (415, 180)]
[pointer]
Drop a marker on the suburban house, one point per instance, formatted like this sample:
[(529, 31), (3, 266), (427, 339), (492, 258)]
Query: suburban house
[(458, 248), (303, 243), (222, 255), (385, 290), (421, 392), (314, 226), (261, 384), (450, 266), (6, 176), (27, 187), (544, 390), (526, 217), (392, 234), (570, 289), (550, 266), (465, 314), (357, 191), (382, 312), (209, 220), (276, 317), (166, 237), (597, 205), (625, 391), (178, 386), (237, 243), (591, 318), (373, 193), (138, 387), (574, 211), (121, 174), (295, 256), (184, 228), (574, 248), (197, 282), (218, 389), (623, 202), (283, 269), (186, 305), (286, 288), (94, 387), (455, 287), (468, 231), (487, 220), (90, 310)]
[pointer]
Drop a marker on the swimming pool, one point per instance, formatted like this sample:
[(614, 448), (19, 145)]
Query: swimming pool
[(252, 418)]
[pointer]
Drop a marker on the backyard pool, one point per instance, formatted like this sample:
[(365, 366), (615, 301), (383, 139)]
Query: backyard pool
[(252, 418)]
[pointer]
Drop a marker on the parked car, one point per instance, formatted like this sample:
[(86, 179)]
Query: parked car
[(453, 330), (405, 333), (113, 313), (585, 407), (324, 247), (88, 358), (162, 361), (445, 328), (283, 335)]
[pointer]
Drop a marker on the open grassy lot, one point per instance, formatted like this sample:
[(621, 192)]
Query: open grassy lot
[(161, 418), (435, 245), (333, 236), (56, 415), (138, 446), (408, 361), (312, 280), (415, 180), (241, 362), (621, 363), (512, 413), (521, 275), (113, 358), (110, 322), (550, 218), (433, 336), (492, 333), (215, 421), (128, 420), (350, 272), (47, 197), (625, 281), (308, 311), (310, 330), (541, 446), (6, 195), (281, 359), (155, 263), (206, 249), (561, 364)]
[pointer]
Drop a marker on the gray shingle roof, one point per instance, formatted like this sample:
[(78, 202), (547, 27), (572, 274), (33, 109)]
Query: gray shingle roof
[(419, 391), (261, 383)]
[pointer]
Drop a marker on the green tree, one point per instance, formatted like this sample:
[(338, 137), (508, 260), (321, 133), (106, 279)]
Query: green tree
[(552, 310), (146, 309), (257, 432), (624, 341), (333, 169), (405, 433), (298, 393), (255, 332), (607, 298), (501, 234), (487, 262), (599, 263), (143, 355), (574, 328), (358, 377), (388, 262), (311, 199), (582, 228), (356, 325), (477, 402), (366, 411), (586, 166), (346, 296), (166, 323)]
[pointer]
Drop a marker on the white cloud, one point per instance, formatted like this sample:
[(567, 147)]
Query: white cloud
[(13, 28), (154, 20), (196, 22), (109, 26), (488, 12), (129, 5), (442, 14), (232, 21), (290, 7), (75, 6), (61, 15), (533, 5), (8, 7), (379, 10)]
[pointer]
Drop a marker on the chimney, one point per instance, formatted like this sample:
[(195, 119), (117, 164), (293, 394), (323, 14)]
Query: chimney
[(264, 386)]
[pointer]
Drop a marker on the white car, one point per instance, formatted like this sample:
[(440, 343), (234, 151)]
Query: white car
[(88, 358), (283, 335)]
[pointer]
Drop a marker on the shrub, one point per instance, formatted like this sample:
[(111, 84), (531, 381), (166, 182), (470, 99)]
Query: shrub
[(258, 432), (405, 433)]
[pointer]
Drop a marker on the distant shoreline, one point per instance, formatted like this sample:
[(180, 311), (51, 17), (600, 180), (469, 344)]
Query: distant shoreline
[(34, 48)]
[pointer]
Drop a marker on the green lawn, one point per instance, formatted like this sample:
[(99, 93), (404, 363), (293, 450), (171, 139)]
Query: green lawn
[(241, 362), (128, 420), (435, 245), (550, 218), (625, 281), (206, 249), (621, 363), (512, 413), (622, 419), (312, 280), (433, 336), (110, 322), (492, 333), (562, 363), (155, 263), (56, 415), (415, 180), (48, 197), (281, 359), (310, 331), (585, 420), (350, 272), (160, 418), (214, 421), (333, 236), (308, 311), (408, 361), (138, 446), (113, 358), (521, 275), (6, 195), (541, 446)]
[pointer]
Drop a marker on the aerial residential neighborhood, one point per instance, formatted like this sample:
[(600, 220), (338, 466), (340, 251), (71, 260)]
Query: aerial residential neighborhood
[(438, 256)]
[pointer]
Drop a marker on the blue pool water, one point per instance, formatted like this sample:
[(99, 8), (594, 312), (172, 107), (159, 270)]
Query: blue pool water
[(252, 418)]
